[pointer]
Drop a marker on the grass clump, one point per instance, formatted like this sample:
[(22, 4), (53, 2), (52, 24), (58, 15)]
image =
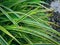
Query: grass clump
[(24, 22)]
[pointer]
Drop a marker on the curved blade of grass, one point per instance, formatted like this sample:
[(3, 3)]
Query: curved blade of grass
[(5, 31), (33, 32), (10, 10), (28, 14), (2, 41), (6, 14)]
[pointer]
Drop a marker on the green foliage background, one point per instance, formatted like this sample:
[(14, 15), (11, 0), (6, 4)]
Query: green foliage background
[(26, 22)]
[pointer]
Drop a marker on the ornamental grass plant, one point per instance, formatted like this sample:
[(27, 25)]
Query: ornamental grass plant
[(26, 22)]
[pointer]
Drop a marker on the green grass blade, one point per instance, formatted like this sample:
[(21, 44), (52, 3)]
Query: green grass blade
[(2, 41), (5, 31), (5, 13)]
